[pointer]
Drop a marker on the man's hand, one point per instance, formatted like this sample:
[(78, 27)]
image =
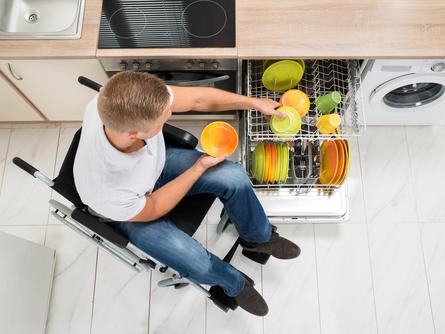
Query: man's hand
[(267, 107), (207, 161)]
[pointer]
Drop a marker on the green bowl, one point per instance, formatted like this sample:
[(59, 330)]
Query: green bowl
[(290, 125)]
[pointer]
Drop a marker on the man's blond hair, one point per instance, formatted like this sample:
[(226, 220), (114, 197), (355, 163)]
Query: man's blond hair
[(130, 101)]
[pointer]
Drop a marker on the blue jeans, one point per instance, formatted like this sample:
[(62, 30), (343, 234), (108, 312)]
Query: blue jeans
[(162, 240)]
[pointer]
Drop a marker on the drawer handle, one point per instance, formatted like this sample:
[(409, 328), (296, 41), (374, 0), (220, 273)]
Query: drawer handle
[(15, 75)]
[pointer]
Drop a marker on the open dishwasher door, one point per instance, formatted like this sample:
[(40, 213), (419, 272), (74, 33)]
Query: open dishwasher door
[(302, 195), (312, 206)]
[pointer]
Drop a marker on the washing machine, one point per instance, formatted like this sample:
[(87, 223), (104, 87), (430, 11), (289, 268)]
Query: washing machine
[(404, 92)]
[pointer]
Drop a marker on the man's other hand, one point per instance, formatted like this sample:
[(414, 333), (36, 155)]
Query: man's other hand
[(207, 161)]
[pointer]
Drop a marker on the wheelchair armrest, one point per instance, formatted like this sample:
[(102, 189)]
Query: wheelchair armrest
[(177, 137), (100, 228)]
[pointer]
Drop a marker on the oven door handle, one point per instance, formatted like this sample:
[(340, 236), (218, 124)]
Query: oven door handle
[(203, 82)]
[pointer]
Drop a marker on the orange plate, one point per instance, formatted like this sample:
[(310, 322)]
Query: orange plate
[(273, 162), (219, 138), (341, 161), (266, 163), (347, 162), (329, 161)]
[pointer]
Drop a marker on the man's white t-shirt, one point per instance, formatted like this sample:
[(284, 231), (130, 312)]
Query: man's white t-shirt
[(112, 183)]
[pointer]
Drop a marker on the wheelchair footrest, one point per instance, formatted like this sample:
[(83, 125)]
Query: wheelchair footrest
[(221, 300), (255, 256)]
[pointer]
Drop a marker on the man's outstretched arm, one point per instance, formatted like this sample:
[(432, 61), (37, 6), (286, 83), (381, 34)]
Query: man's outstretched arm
[(213, 99)]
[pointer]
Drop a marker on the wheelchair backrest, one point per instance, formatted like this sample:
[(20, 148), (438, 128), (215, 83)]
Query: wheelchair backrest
[(64, 182)]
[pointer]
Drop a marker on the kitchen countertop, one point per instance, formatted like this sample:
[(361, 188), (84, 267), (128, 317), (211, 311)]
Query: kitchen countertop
[(341, 29), (284, 29)]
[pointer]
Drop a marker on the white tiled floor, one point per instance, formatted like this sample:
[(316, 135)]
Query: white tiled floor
[(381, 272)]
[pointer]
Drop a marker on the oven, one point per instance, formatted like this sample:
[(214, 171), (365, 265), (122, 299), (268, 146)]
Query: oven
[(219, 73)]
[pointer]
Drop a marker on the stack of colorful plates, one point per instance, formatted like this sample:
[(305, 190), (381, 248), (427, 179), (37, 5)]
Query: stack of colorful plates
[(270, 162), (335, 158)]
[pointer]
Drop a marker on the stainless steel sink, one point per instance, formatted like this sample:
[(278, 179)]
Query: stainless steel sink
[(41, 19)]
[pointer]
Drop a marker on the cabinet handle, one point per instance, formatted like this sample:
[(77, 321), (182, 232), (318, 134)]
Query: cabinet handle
[(15, 75)]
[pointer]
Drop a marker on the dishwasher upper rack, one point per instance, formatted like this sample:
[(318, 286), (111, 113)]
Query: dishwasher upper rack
[(320, 77)]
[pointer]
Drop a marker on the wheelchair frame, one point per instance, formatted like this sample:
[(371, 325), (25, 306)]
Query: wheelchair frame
[(128, 253)]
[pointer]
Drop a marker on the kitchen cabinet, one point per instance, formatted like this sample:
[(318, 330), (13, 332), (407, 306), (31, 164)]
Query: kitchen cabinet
[(13, 106), (51, 85)]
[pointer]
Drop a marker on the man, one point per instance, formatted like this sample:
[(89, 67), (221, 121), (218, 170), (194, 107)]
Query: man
[(124, 173)]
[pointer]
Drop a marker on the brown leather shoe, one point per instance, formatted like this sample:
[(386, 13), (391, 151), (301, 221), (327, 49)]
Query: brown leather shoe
[(250, 300), (277, 246)]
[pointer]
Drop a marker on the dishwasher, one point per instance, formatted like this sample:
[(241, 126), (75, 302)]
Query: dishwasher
[(301, 197)]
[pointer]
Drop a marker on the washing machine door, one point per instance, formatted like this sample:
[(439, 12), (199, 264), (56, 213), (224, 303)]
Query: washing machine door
[(409, 99)]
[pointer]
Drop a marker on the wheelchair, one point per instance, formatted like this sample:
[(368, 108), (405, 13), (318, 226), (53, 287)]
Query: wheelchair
[(187, 216)]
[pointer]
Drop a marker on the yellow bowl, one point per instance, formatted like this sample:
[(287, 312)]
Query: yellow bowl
[(327, 124), (219, 138)]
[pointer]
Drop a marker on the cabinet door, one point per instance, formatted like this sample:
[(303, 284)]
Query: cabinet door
[(52, 84), (13, 107)]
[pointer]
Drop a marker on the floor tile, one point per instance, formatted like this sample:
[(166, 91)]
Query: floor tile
[(400, 284), (24, 200), (433, 239), (73, 288), (290, 286), (238, 321), (388, 190), (121, 300), (426, 147), (177, 310), (344, 279)]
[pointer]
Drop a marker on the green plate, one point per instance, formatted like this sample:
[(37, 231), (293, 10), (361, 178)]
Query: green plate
[(258, 162), (268, 62), (279, 163), (280, 126), (282, 75), (285, 163)]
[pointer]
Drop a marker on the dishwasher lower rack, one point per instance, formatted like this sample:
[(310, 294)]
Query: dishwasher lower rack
[(320, 77), (301, 198), (304, 169)]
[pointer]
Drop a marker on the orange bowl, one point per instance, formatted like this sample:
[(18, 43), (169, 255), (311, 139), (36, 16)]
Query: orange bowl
[(219, 138), (296, 99)]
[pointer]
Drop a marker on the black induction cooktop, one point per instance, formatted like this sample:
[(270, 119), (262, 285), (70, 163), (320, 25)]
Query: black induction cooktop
[(167, 24)]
